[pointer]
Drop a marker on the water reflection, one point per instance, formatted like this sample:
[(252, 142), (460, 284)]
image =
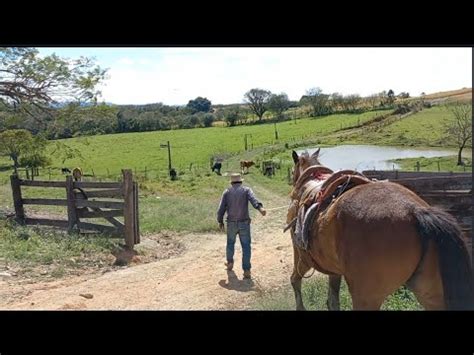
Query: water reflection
[(367, 157)]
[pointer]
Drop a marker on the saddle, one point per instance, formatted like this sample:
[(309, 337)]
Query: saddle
[(315, 197)]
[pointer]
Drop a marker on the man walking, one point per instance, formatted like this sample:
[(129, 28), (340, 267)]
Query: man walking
[(234, 201)]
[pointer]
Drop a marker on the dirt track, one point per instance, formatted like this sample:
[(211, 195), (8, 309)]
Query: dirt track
[(194, 280)]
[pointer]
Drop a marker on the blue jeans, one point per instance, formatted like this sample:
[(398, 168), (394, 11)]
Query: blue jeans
[(243, 229)]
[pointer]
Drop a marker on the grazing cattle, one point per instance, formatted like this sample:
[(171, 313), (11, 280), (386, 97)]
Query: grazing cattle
[(173, 174), (268, 168), (217, 168), (245, 165), (65, 171)]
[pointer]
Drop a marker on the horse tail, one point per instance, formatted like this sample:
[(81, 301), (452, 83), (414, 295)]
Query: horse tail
[(455, 266)]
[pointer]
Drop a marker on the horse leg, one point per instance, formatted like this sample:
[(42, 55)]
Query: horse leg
[(296, 284), (299, 270), (333, 292)]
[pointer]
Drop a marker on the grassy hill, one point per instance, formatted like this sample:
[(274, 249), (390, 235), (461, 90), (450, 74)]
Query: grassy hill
[(462, 95), (424, 128)]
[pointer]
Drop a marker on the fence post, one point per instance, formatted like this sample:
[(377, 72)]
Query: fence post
[(129, 219), (71, 204), (17, 200), (135, 213), (417, 166)]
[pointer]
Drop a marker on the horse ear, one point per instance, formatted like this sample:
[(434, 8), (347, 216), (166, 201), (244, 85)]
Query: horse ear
[(295, 157), (316, 153)]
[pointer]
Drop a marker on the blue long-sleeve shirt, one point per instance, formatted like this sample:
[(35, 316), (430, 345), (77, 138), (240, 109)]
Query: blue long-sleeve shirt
[(234, 201)]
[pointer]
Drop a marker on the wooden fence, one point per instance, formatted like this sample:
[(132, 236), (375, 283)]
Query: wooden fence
[(82, 204)]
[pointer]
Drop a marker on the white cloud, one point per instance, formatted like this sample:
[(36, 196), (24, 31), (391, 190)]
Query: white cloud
[(126, 61), (223, 75)]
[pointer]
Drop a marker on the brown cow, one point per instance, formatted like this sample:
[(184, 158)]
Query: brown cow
[(245, 165)]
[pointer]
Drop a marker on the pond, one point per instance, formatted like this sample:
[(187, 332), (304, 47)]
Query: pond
[(369, 157)]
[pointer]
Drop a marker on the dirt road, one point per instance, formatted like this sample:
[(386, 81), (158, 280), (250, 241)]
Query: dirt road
[(194, 280)]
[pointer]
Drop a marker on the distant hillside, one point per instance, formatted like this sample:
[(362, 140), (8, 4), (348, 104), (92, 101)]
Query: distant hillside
[(462, 95)]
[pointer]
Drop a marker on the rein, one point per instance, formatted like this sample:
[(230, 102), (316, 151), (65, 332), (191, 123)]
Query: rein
[(276, 208)]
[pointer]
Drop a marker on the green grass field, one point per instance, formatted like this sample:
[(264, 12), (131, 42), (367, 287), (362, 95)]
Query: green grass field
[(448, 163), (189, 203), (107, 155)]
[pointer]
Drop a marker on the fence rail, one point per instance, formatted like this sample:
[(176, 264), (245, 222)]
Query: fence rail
[(79, 206)]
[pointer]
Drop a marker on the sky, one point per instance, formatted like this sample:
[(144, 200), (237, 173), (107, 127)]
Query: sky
[(173, 76)]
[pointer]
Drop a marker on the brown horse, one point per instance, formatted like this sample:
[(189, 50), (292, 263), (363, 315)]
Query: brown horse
[(380, 236), (245, 165)]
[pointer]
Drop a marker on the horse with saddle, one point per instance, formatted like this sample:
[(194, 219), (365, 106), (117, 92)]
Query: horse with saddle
[(378, 235)]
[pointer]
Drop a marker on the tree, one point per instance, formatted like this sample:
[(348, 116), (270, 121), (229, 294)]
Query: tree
[(391, 96), (318, 101), (258, 101), (89, 120), (352, 102), (383, 98), (199, 104), (232, 115), (207, 119), (337, 100), (278, 104), (459, 127), (28, 80), (373, 101), (21, 147)]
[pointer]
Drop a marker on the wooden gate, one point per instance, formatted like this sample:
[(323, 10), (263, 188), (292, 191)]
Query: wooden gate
[(86, 200)]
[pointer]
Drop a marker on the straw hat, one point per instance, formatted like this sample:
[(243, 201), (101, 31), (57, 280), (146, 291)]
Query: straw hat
[(235, 178)]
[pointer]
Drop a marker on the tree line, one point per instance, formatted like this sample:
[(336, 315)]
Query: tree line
[(84, 119)]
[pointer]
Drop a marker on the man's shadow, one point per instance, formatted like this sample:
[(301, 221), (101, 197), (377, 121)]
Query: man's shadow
[(233, 283)]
